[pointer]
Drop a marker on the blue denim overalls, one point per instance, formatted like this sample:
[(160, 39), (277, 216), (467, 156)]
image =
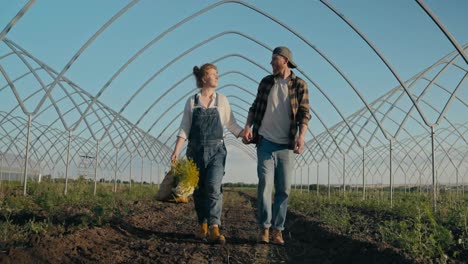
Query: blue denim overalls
[(206, 148)]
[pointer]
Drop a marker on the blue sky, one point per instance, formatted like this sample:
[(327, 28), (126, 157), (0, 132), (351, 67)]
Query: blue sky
[(54, 31)]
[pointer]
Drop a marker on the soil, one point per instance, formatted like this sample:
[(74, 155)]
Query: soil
[(163, 233)]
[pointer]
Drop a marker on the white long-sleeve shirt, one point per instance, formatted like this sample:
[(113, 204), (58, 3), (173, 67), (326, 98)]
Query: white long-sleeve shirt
[(225, 114)]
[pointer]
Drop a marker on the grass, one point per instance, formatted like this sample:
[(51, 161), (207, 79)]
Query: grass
[(409, 224), (47, 211)]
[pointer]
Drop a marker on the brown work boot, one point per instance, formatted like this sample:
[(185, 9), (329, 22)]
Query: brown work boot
[(264, 236), (202, 231), (181, 199), (215, 237), (277, 237)]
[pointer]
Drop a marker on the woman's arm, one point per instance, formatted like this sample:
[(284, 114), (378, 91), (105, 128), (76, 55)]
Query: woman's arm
[(230, 120), (184, 130), (175, 154)]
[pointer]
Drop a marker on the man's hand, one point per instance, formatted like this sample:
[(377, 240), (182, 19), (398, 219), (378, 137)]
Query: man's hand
[(241, 134), (299, 145)]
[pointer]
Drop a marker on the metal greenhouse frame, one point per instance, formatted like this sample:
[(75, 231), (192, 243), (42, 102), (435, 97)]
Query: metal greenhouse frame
[(390, 136)]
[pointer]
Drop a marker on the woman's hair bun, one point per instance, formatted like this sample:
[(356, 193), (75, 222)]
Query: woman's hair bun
[(196, 70)]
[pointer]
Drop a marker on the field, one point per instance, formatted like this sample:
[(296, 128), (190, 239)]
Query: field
[(129, 226)]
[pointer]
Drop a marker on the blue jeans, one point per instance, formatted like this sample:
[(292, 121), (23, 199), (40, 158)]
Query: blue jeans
[(275, 166), (208, 196)]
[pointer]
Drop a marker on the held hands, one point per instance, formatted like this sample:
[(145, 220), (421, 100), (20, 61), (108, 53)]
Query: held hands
[(247, 135), (299, 145)]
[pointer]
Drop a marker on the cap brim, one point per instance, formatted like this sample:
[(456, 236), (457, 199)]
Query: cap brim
[(291, 64)]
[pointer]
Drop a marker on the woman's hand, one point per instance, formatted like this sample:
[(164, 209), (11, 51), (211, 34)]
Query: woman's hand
[(174, 157), (247, 135)]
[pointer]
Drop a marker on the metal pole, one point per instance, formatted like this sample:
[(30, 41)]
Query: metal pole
[(456, 175), (420, 182), (405, 182), (159, 174), (151, 172), (328, 176), (363, 176), (95, 167), (26, 158), (115, 169), (68, 162), (301, 180), (131, 161), (141, 180), (463, 189), (434, 195), (318, 188), (344, 169), (1, 170), (295, 179), (391, 179), (308, 178)]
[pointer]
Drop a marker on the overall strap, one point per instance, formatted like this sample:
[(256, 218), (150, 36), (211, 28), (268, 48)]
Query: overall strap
[(216, 101), (195, 100)]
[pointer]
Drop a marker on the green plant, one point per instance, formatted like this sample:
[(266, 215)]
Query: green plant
[(38, 228), (185, 177)]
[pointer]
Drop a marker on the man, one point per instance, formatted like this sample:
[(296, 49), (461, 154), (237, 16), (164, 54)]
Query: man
[(279, 117)]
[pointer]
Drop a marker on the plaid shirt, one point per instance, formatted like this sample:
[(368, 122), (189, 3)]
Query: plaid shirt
[(299, 98)]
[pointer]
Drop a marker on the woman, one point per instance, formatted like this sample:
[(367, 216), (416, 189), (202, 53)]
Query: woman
[(205, 115)]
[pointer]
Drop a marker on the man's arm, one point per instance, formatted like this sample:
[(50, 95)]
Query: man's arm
[(303, 116), (248, 135)]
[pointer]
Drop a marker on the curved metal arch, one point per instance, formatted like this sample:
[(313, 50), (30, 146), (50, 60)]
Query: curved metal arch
[(427, 88), (54, 145), (271, 18), (16, 128), (414, 79), (167, 91), (6, 55), (82, 49), (168, 109), (13, 88), (240, 99), (16, 18), (183, 79), (444, 151), (448, 121), (240, 146), (411, 139), (449, 102), (98, 120), (446, 90), (245, 117), (379, 54), (49, 70), (443, 28), (382, 101), (42, 85)]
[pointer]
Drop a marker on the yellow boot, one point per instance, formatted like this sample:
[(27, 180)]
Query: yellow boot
[(264, 236), (182, 199), (215, 237), (277, 237), (202, 231)]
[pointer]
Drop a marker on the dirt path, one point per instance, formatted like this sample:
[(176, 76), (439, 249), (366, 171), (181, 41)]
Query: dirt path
[(163, 233)]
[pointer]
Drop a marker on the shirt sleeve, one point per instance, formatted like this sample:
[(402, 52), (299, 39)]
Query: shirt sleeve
[(303, 110), (229, 119), (186, 122)]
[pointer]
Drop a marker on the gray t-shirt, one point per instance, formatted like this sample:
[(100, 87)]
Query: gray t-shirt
[(276, 123)]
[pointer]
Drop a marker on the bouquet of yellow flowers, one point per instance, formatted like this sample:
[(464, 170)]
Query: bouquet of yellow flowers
[(185, 178), (179, 182)]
